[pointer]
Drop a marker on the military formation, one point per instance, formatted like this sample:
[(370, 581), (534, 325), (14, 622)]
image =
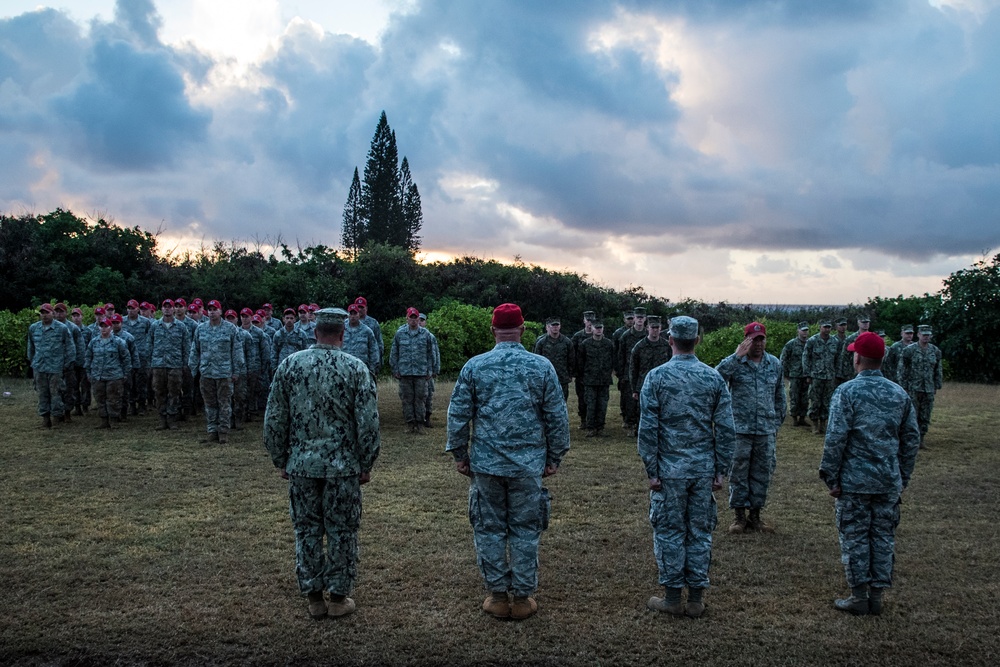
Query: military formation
[(314, 374)]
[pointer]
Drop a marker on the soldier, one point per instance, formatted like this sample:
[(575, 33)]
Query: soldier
[(845, 360), (920, 374), (628, 340), (238, 412), (138, 326), (412, 363), (189, 405), (50, 352), (893, 354), (559, 350), (791, 368), (507, 429), (169, 349), (82, 390), (259, 351), (360, 342), (217, 356), (117, 328), (648, 353), (288, 340), (267, 317), (628, 317), (819, 359), (108, 362), (595, 360), (868, 458), (686, 441), (321, 429), (69, 396), (429, 402), (372, 324), (758, 394), (305, 325), (581, 395)]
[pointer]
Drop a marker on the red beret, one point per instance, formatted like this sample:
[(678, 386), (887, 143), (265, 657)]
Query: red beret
[(507, 316), (868, 344)]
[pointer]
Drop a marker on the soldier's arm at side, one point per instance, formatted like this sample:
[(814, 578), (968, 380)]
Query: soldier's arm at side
[(909, 443), (555, 421), (841, 418), (460, 412), (648, 442), (725, 430), (367, 423), (277, 422)]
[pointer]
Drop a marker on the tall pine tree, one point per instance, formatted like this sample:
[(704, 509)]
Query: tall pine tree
[(353, 230), (413, 217)]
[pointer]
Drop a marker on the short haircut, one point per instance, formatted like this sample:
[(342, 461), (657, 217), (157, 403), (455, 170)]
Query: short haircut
[(685, 344), (868, 363), (329, 328)]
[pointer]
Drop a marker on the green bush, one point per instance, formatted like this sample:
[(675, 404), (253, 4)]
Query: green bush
[(719, 344)]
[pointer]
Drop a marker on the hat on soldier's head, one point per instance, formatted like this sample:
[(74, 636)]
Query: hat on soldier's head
[(589, 315), (45, 308), (863, 317), (288, 311), (507, 316), (841, 321), (653, 321), (109, 306), (267, 306), (906, 328), (361, 301), (597, 324), (231, 313), (639, 311), (180, 302), (257, 319), (628, 314), (683, 327), (303, 308), (198, 302), (331, 316), (803, 326), (193, 308), (132, 303), (881, 333), (60, 306), (553, 320), (825, 322), (116, 319), (103, 322), (99, 310), (754, 330), (925, 329), (869, 345), (412, 312), (212, 304), (246, 311), (313, 307), (260, 311), (168, 303), (77, 311), (353, 308), (421, 316)]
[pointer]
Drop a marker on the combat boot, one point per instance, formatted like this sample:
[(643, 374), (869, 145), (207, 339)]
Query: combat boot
[(78, 410), (875, 601), (105, 423), (340, 605), (591, 433), (317, 605), (816, 423), (756, 523), (427, 421), (857, 604), (497, 605), (223, 438), (163, 424), (670, 603), (172, 422), (67, 418), (134, 410), (46, 421), (523, 607), (739, 524), (696, 605)]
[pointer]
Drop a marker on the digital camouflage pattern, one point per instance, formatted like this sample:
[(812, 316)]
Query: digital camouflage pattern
[(819, 357), (359, 341), (107, 359), (629, 406), (171, 344), (376, 328), (921, 375), (683, 515), (285, 343), (560, 352), (595, 361), (50, 348), (791, 366), (330, 507), (139, 328), (890, 366), (412, 352), (645, 356), (216, 351)]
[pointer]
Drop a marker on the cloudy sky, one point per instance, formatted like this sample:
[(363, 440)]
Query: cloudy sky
[(780, 151)]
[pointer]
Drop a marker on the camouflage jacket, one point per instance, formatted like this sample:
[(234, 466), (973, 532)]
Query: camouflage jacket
[(645, 356), (249, 349), (412, 352), (561, 352), (376, 328), (595, 361), (287, 342), (819, 358), (507, 414), (108, 359), (627, 341), (845, 358), (171, 344), (322, 415), (50, 348), (360, 342), (216, 351), (133, 349), (919, 369), (685, 421), (139, 328), (891, 363), (791, 358), (872, 438), (758, 393)]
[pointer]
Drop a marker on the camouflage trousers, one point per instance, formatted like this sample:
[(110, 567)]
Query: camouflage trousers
[(866, 525), (50, 388), (798, 397), (239, 398), (508, 515), (683, 516), (86, 393), (631, 414), (581, 400), (69, 398), (565, 388), (923, 401), (413, 394), (429, 402), (597, 404), (622, 398), (820, 392), (140, 378), (187, 390), (168, 387), (218, 395), (328, 507), (108, 396), (750, 474)]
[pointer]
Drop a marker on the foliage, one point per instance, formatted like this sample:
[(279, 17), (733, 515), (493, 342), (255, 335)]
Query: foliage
[(890, 315), (719, 344), (967, 321)]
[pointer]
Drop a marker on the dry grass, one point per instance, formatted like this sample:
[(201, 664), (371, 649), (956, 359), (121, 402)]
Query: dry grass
[(139, 547)]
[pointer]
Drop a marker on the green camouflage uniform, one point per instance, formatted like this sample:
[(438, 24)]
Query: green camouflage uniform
[(321, 427), (791, 366), (921, 375), (892, 357), (595, 361), (870, 451), (562, 353), (630, 406), (758, 395), (819, 359), (508, 418), (581, 392), (686, 438), (646, 355)]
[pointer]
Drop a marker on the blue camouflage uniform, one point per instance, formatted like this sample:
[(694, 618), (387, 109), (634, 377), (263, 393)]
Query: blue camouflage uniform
[(217, 355), (758, 396), (359, 341), (321, 427), (508, 418), (287, 342), (870, 452), (412, 362), (171, 345), (50, 352), (108, 363), (140, 330), (435, 371), (686, 439), (376, 328)]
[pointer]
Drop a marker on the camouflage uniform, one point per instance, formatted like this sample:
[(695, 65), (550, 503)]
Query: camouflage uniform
[(189, 379), (322, 428), (360, 342), (287, 342), (686, 439), (412, 362), (581, 394), (128, 391), (791, 368), (50, 352), (240, 409), (870, 451), (108, 363), (436, 370), (892, 357), (171, 345), (84, 397), (507, 417), (376, 328), (139, 328), (595, 361), (217, 356), (921, 375), (819, 359), (630, 406), (758, 396), (562, 353), (645, 356)]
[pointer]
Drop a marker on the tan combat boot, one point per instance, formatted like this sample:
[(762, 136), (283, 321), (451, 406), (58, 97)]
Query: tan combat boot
[(340, 605), (739, 524), (670, 603), (523, 607), (756, 523), (497, 605), (317, 605), (816, 423)]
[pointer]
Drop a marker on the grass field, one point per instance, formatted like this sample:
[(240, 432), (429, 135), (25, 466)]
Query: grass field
[(139, 547)]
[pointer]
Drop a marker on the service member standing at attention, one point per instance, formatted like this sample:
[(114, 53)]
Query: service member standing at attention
[(217, 356), (321, 429), (412, 362), (754, 379), (628, 340), (791, 368), (558, 349), (50, 352), (686, 441), (895, 352), (508, 427), (819, 365), (921, 375), (648, 353), (171, 345), (435, 371), (595, 361), (868, 457), (581, 395), (107, 364)]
